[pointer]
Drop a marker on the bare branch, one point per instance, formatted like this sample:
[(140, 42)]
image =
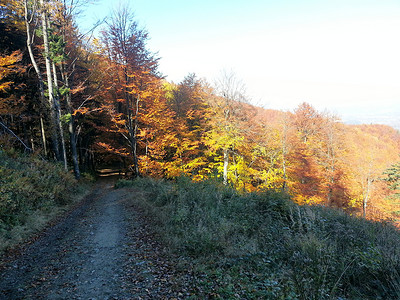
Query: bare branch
[(9, 131)]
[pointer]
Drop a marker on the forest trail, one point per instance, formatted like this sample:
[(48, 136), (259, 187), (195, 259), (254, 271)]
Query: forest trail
[(102, 250)]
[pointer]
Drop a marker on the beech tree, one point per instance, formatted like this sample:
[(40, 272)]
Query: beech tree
[(134, 73), (49, 26), (37, 12), (307, 120), (305, 169), (329, 151), (273, 148), (188, 100), (65, 54), (226, 132)]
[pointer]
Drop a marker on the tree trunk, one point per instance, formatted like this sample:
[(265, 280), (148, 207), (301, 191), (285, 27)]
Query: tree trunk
[(58, 116), (71, 126), (134, 140), (29, 42), (53, 119), (284, 142), (366, 196), (365, 200), (331, 185), (235, 168), (226, 162), (73, 138), (43, 136), (132, 124), (284, 184)]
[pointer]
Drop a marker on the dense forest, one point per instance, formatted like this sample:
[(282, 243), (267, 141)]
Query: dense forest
[(92, 103)]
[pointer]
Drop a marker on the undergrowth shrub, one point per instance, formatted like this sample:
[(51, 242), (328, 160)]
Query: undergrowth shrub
[(28, 184), (262, 245)]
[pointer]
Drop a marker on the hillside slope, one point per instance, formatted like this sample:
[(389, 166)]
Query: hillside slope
[(264, 246)]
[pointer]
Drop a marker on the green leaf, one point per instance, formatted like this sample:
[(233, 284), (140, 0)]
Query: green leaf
[(65, 118)]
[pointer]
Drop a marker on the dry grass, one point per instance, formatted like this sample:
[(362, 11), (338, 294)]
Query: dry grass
[(264, 246)]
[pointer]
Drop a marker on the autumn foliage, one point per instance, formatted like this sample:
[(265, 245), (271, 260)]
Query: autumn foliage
[(116, 110)]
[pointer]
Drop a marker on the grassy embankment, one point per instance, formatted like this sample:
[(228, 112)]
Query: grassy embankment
[(32, 193), (265, 246)]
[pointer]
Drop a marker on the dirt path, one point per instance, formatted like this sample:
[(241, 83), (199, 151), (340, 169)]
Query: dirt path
[(100, 251)]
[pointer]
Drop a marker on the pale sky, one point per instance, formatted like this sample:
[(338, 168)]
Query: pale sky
[(339, 55)]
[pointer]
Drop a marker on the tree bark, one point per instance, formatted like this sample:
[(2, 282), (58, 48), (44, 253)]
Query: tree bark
[(284, 141), (58, 116), (226, 162), (43, 136), (71, 125), (366, 196), (134, 140), (29, 42), (53, 119)]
